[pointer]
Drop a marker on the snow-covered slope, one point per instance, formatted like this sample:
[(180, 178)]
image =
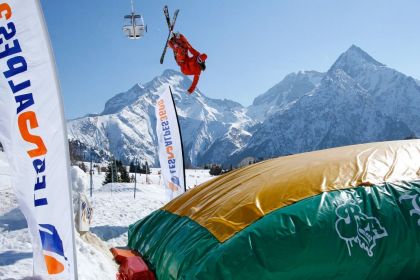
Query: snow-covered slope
[(391, 92), (291, 88), (335, 114), (94, 259), (126, 127), (359, 100), (115, 209)]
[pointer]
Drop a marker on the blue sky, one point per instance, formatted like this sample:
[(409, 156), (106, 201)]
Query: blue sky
[(251, 45)]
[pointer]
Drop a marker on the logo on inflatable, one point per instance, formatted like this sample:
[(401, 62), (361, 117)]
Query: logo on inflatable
[(354, 226), (53, 250), (415, 200)]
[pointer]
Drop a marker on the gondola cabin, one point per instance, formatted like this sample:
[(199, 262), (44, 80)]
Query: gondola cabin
[(134, 27)]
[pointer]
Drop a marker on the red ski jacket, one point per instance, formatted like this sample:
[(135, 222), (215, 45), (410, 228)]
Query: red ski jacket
[(189, 65)]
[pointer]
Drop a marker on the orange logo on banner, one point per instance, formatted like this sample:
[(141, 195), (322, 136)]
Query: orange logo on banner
[(53, 266), (28, 137), (5, 9)]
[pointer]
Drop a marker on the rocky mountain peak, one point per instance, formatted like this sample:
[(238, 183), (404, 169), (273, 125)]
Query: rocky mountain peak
[(354, 59)]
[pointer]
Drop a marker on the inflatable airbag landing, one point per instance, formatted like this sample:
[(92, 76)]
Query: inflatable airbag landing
[(345, 213)]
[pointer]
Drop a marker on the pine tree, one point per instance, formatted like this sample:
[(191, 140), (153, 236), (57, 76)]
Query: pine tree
[(147, 169), (215, 170), (124, 176), (412, 136), (83, 166), (143, 169), (110, 170), (132, 167)]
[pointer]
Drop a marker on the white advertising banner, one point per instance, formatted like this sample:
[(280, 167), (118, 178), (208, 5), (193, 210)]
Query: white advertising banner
[(170, 145), (33, 133)]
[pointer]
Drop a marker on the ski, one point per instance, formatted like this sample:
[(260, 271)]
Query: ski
[(171, 28), (166, 12)]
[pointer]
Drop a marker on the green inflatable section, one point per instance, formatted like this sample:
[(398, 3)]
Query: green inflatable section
[(360, 233)]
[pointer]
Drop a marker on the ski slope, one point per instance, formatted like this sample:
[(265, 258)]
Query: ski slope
[(115, 208)]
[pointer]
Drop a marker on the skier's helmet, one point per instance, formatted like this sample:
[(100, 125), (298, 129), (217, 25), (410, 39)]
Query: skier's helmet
[(201, 60)]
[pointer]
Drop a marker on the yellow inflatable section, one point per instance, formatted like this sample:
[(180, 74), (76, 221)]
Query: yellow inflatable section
[(231, 202)]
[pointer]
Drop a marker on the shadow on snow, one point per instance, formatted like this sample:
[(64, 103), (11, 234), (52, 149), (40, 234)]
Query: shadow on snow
[(13, 220), (11, 257), (108, 232)]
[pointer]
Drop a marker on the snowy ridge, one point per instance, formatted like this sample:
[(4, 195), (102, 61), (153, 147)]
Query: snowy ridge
[(391, 92), (358, 100), (126, 127), (338, 113), (291, 88)]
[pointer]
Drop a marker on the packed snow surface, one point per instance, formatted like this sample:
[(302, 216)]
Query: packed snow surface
[(115, 208)]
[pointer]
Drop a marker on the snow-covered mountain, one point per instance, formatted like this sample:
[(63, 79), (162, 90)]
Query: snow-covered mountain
[(291, 88), (391, 92), (126, 127), (358, 100)]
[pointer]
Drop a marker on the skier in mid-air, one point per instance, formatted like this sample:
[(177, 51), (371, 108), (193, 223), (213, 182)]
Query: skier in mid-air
[(190, 65)]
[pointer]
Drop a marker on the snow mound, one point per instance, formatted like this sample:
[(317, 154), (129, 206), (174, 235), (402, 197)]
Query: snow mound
[(114, 209), (79, 179)]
